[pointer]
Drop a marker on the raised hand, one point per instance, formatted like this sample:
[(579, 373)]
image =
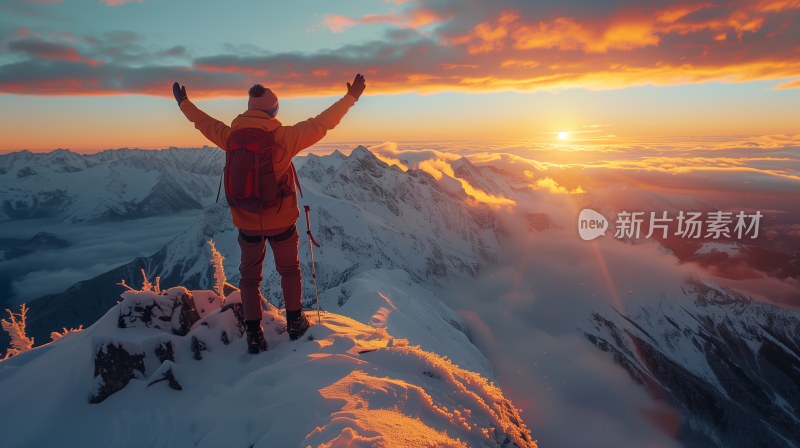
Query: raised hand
[(180, 92), (357, 88)]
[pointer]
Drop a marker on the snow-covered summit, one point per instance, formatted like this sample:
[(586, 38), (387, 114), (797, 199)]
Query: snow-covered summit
[(171, 369)]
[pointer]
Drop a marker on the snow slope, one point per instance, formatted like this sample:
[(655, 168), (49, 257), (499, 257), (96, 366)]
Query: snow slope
[(177, 375), (731, 364)]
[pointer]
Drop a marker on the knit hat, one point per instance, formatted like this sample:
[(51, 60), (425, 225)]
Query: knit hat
[(262, 98)]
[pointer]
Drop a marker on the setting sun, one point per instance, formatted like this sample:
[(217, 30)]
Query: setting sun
[(563, 135)]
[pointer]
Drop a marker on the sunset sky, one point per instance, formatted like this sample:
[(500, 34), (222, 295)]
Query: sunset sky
[(89, 74)]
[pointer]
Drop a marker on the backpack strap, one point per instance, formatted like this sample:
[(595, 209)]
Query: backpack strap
[(220, 185), (296, 180)]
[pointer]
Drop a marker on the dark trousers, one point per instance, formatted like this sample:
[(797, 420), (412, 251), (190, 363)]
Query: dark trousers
[(284, 247)]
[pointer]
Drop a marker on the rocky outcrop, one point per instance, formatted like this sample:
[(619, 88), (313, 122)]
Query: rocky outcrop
[(115, 364), (174, 310), (179, 330), (165, 373)]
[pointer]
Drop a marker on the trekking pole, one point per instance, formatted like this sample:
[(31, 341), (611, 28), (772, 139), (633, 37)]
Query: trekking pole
[(311, 243)]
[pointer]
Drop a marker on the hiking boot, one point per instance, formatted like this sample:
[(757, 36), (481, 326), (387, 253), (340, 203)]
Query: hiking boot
[(256, 342), (297, 325)]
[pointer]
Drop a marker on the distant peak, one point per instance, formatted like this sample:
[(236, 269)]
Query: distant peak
[(361, 151), (463, 162)]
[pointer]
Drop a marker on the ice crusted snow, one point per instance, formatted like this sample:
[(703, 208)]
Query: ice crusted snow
[(181, 377)]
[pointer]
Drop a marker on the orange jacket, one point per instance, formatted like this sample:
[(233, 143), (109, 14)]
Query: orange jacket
[(290, 140)]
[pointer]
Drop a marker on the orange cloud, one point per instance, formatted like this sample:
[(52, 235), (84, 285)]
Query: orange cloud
[(119, 2), (789, 85), (488, 37), (673, 14), (338, 23), (552, 186), (626, 33), (562, 33), (415, 19), (439, 167), (682, 165), (776, 5), (391, 161), (489, 47), (549, 167)]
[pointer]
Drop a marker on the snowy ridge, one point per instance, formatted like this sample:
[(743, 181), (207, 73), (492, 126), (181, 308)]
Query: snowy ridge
[(726, 360), (390, 299), (156, 370), (115, 184)]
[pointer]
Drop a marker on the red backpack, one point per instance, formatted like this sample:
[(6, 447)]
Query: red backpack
[(250, 180)]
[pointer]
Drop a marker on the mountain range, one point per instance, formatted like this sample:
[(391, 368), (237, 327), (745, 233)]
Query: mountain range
[(727, 362), (109, 185)]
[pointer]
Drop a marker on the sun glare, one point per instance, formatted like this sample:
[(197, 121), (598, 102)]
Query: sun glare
[(563, 135)]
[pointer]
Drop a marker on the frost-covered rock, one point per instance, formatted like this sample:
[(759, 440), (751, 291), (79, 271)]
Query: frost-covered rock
[(115, 364), (206, 301), (172, 310), (165, 373)]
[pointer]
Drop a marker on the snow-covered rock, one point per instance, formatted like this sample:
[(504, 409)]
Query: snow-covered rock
[(173, 310)]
